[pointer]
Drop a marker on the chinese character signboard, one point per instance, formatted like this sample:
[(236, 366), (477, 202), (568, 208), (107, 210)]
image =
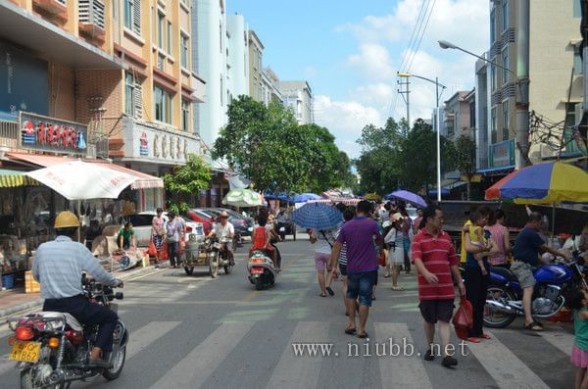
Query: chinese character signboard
[(502, 154), (43, 133)]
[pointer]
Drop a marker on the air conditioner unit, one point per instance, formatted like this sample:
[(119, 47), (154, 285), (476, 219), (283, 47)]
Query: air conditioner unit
[(547, 152)]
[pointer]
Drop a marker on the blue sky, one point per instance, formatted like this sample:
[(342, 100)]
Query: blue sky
[(349, 51)]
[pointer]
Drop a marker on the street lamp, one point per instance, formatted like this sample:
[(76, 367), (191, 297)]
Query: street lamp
[(521, 99), (437, 123)]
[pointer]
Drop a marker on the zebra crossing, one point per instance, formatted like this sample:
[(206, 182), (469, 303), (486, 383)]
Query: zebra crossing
[(504, 367)]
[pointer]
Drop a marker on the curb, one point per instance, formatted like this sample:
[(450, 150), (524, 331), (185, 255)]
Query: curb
[(31, 305)]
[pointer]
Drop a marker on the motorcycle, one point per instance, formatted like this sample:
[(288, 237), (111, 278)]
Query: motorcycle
[(553, 282), (224, 256), (53, 349), (261, 270)]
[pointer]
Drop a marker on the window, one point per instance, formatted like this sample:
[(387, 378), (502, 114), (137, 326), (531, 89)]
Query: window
[(170, 39), (132, 15), (163, 105), (493, 125), (220, 37), (505, 72), (578, 65), (492, 26), (129, 94), (160, 30), (505, 123), (577, 8), (493, 77), (185, 50), (504, 15), (185, 115)]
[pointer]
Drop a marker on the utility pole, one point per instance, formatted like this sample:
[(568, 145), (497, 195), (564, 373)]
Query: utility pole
[(406, 99)]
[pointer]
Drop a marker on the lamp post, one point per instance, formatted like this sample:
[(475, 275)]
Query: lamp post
[(437, 123), (521, 99)]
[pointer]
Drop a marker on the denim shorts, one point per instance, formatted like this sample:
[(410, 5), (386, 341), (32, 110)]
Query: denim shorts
[(361, 285)]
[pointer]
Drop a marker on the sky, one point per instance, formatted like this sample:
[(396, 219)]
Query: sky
[(349, 51)]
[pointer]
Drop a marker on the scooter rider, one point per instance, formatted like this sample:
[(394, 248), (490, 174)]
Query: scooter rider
[(261, 240), (58, 267), (225, 232)]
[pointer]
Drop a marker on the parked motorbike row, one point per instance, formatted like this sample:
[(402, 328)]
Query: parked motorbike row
[(553, 283)]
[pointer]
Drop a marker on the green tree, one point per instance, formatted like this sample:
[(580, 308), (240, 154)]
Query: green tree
[(186, 182), (465, 159)]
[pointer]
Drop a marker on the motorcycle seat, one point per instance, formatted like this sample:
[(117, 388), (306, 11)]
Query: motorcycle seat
[(506, 273), (71, 321)]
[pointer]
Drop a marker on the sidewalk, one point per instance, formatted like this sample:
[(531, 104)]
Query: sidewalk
[(16, 300)]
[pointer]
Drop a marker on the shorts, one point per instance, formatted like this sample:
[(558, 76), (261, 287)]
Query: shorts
[(524, 273), (579, 357), (433, 310), (361, 285), (343, 270), (321, 261)]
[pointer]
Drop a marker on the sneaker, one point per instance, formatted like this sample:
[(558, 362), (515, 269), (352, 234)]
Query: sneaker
[(449, 361), (429, 356)]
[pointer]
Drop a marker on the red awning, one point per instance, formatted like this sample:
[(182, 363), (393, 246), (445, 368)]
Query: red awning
[(143, 180)]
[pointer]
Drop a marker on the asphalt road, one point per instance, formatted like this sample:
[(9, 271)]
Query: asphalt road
[(194, 331)]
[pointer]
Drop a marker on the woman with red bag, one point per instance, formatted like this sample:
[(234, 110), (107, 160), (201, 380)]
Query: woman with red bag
[(157, 235)]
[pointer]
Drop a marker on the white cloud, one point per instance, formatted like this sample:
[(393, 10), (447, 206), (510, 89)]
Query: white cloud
[(382, 47)]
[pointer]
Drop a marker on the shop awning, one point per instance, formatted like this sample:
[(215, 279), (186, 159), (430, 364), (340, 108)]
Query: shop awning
[(496, 170), (143, 181), (14, 178)]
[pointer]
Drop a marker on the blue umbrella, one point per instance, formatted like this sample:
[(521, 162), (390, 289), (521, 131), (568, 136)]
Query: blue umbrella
[(319, 216), (304, 197), (407, 196)]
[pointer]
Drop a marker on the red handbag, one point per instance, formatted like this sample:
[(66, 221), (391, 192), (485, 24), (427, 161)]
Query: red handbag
[(382, 258), (152, 250), (464, 317), (163, 254)]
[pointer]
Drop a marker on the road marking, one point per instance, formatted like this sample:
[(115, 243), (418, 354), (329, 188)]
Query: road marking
[(303, 371), (560, 340), (140, 339), (503, 366), (198, 366), (249, 296), (414, 374)]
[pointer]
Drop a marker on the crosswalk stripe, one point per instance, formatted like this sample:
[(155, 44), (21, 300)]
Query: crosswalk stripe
[(507, 370), (412, 367), (560, 340), (146, 335), (201, 362), (300, 371)]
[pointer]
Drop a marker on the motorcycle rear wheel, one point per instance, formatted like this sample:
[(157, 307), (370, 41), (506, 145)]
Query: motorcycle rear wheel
[(495, 319), (259, 285), (26, 381)]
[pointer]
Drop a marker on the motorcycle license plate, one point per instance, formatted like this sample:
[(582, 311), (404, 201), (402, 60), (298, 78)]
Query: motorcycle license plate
[(25, 351), (257, 270)]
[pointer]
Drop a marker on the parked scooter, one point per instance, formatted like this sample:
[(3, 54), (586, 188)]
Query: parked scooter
[(261, 270), (553, 282), (53, 348)]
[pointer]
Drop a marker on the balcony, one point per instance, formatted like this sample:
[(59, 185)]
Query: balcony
[(53, 7), (92, 19)]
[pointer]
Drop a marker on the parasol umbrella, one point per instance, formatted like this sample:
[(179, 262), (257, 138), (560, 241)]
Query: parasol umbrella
[(243, 198), (78, 180), (545, 183), (319, 216), (409, 197), (304, 197)]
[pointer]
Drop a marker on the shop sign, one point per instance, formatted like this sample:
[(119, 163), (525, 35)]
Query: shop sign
[(48, 134), (143, 145), (159, 145), (502, 154)]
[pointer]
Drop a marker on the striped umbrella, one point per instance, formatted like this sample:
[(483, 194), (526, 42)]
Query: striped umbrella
[(545, 183), (14, 178)]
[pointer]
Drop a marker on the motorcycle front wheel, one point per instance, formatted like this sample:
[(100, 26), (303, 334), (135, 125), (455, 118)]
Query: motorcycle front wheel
[(213, 265), (493, 318), (118, 362), (27, 382)]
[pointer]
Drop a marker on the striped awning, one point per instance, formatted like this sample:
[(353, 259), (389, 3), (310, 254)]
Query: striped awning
[(14, 178)]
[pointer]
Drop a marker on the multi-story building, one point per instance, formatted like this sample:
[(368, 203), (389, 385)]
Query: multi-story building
[(120, 70), (297, 96), (531, 43), (270, 91), (256, 82)]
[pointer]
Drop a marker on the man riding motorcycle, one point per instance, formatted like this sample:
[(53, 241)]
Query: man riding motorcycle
[(224, 231), (58, 267)]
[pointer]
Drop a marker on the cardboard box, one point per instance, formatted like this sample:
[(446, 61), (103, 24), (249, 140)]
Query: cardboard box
[(31, 286)]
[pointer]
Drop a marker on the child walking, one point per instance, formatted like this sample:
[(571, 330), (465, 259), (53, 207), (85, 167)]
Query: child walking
[(578, 302)]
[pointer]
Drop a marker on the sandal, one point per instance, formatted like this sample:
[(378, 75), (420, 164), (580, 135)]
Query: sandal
[(330, 291), (534, 326), (363, 335), (397, 288), (350, 331), (484, 336)]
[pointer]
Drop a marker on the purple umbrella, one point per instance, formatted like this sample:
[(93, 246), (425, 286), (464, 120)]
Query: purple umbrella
[(409, 197)]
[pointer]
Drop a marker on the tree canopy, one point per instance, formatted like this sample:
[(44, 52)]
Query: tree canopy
[(276, 153), (186, 181)]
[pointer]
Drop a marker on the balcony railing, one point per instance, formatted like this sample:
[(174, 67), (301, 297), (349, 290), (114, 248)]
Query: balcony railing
[(8, 134), (91, 17)]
